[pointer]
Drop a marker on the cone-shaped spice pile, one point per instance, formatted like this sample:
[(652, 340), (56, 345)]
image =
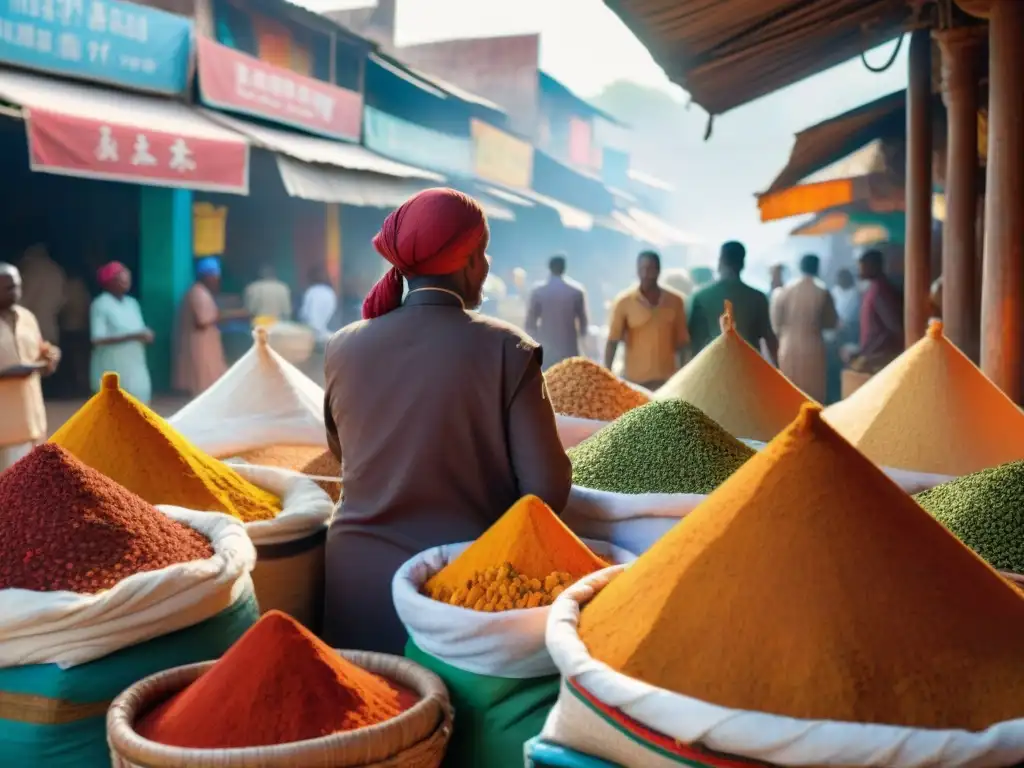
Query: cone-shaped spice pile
[(126, 441), (733, 384), (931, 410), (277, 685), (580, 387), (667, 446), (529, 539), (809, 585), (67, 527)]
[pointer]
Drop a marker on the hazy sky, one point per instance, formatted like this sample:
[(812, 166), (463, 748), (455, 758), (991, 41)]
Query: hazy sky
[(584, 45)]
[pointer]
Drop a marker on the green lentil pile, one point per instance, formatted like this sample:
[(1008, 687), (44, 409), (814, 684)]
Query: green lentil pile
[(985, 510), (667, 446)]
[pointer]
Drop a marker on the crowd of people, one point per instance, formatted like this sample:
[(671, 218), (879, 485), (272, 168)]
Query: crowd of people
[(808, 329)]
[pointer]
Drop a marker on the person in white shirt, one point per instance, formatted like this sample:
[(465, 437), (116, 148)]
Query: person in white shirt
[(268, 296), (319, 303), (24, 357)]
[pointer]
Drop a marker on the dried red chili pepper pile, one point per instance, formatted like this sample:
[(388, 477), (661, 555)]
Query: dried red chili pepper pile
[(67, 527)]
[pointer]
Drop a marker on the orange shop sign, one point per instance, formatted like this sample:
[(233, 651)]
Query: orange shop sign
[(500, 157)]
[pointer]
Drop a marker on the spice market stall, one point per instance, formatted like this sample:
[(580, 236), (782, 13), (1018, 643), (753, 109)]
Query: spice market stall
[(476, 614), (876, 638), (285, 514), (293, 700), (99, 589)]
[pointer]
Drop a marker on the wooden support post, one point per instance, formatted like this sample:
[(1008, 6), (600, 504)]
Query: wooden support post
[(917, 272)]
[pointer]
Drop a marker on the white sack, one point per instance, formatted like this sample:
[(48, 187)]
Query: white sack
[(305, 506), (505, 644), (261, 400), (631, 521), (911, 482), (783, 741), (68, 628), (573, 430)]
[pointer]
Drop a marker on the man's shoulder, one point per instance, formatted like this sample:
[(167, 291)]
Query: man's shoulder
[(26, 316), (575, 285), (674, 296), (499, 331), (629, 294)]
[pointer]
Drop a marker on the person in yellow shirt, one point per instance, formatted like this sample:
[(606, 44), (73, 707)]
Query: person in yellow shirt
[(650, 320)]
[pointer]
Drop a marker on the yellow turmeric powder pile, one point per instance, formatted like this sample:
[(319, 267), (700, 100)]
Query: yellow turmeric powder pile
[(527, 547), (501, 588), (809, 585), (119, 436), (580, 387), (931, 410), (733, 384)]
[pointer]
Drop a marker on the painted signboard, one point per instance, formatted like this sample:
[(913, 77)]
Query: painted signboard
[(102, 40), (414, 144), (236, 82), (92, 148), (500, 157)]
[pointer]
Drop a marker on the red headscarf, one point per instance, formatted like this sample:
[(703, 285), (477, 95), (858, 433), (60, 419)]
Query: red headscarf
[(106, 274), (432, 233)]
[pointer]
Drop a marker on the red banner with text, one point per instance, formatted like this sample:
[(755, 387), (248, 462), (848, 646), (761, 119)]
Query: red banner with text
[(89, 147), (237, 82)]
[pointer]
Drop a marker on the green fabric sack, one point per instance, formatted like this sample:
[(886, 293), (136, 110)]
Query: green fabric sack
[(494, 716), (56, 718)]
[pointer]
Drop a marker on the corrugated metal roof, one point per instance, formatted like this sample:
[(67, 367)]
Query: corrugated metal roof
[(559, 89), (729, 52), (312, 149)]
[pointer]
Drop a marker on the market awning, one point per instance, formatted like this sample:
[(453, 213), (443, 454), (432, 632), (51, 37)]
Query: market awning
[(313, 149), (864, 226), (330, 184), (571, 217), (671, 235), (880, 190), (730, 52), (100, 133)]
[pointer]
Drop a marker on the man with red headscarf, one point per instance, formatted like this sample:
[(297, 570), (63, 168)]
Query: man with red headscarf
[(438, 414)]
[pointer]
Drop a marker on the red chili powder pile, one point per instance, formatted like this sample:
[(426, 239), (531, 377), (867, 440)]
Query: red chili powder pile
[(278, 684), (67, 527)]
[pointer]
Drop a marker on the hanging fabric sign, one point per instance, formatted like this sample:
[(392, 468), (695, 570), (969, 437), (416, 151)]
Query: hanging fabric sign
[(102, 40), (236, 82), (500, 157), (71, 145)]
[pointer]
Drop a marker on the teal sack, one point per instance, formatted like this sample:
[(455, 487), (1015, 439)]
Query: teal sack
[(543, 754), (494, 716), (56, 718)]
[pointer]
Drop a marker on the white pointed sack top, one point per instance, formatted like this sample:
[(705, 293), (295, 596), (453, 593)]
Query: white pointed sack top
[(261, 400)]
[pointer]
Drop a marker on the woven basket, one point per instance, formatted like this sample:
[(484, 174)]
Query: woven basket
[(289, 577), (415, 739)]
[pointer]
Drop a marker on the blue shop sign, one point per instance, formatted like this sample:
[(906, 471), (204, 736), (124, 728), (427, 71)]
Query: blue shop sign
[(104, 40), (414, 144)]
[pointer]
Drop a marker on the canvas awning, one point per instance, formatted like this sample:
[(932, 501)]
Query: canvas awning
[(571, 217), (75, 129)]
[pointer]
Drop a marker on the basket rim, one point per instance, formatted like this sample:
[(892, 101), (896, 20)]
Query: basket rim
[(426, 715)]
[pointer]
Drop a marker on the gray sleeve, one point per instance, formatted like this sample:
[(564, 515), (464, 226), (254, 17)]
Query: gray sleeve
[(538, 459)]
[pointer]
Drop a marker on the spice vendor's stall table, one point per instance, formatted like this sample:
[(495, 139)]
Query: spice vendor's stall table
[(501, 679), (69, 645)]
